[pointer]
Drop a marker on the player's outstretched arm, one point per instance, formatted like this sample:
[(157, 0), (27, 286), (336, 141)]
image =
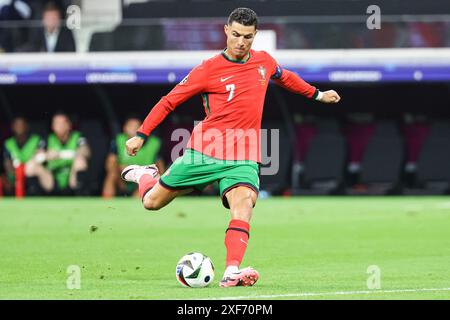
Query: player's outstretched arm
[(292, 82), (191, 85)]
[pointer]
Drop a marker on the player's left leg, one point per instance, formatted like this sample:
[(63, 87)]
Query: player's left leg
[(241, 201)]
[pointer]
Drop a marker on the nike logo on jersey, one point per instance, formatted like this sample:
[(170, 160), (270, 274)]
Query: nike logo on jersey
[(225, 79), (246, 243)]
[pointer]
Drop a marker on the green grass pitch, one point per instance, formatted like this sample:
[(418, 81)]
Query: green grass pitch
[(304, 248)]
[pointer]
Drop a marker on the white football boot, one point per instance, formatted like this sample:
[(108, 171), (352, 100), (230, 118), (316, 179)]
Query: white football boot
[(134, 172)]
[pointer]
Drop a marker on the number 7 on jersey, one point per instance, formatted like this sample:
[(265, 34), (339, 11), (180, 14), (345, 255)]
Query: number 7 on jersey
[(230, 87)]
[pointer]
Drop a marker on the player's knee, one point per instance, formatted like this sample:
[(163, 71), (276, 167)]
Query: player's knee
[(242, 200), (242, 208), (246, 201)]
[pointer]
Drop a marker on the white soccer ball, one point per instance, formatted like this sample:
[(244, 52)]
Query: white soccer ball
[(195, 270)]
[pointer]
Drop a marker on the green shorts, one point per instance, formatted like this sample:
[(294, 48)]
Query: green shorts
[(196, 170)]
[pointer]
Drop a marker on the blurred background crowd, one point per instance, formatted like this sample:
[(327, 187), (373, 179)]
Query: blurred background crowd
[(117, 25)]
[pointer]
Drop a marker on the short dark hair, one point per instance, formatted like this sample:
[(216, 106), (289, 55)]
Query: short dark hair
[(244, 16), (52, 6), (130, 116), (63, 114)]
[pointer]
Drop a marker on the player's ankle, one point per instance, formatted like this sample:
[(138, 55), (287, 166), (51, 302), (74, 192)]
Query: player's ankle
[(139, 176), (231, 269)]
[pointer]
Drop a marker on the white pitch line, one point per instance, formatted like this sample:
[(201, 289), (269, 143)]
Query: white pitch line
[(338, 293)]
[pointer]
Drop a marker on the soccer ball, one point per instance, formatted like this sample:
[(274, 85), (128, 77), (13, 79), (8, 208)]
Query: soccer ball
[(195, 270)]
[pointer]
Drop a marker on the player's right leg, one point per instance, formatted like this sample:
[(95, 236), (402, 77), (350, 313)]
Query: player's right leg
[(240, 199), (154, 196)]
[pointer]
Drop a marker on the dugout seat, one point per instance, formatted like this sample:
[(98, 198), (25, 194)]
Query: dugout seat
[(382, 162), (415, 134), (305, 130), (415, 130), (358, 130), (325, 160), (280, 164), (433, 165)]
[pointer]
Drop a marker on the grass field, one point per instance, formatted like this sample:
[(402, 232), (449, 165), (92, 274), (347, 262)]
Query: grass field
[(304, 248)]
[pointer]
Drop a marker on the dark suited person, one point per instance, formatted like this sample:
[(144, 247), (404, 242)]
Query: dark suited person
[(54, 36)]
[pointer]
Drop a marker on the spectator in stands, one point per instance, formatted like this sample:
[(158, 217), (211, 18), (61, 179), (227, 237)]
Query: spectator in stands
[(54, 36), (60, 165), (18, 150), (118, 159), (12, 36)]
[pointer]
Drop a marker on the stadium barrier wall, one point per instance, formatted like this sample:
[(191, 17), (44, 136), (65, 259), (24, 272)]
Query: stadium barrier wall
[(165, 67)]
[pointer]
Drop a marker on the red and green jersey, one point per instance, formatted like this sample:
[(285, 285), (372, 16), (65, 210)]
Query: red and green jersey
[(233, 94)]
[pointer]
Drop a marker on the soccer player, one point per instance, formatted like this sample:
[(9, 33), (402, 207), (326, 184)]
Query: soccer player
[(225, 146)]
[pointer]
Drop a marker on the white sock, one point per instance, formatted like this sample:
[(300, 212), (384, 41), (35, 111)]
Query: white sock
[(231, 269)]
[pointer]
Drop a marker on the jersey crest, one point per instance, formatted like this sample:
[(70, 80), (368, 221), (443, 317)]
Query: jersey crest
[(262, 72)]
